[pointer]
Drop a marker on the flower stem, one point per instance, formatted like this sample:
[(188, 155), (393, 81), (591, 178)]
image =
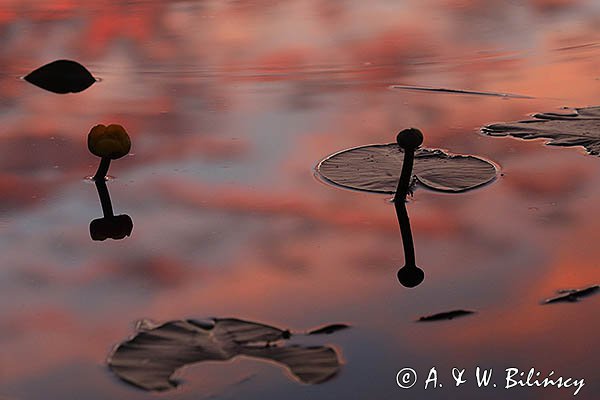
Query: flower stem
[(102, 169)]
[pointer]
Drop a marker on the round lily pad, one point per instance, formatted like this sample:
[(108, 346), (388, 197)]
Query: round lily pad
[(376, 168)]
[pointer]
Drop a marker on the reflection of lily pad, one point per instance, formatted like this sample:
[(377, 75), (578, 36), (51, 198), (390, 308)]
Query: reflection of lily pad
[(578, 127), (61, 76), (376, 168), (152, 356)]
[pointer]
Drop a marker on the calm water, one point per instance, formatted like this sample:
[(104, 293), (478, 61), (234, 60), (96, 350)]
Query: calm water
[(230, 105)]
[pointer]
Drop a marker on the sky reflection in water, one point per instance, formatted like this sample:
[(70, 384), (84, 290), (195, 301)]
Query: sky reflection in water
[(229, 106)]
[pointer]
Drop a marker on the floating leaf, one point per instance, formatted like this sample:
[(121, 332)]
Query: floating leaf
[(152, 356), (573, 295), (62, 76), (578, 127), (376, 168), (445, 315), (329, 329), (460, 91), (311, 365)]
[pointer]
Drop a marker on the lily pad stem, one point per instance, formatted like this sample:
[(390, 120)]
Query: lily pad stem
[(404, 182)]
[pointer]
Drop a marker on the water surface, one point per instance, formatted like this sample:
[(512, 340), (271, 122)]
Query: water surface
[(230, 105)]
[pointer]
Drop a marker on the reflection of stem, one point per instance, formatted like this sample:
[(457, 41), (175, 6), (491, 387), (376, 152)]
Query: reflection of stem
[(407, 240), (102, 169), (399, 203), (104, 196)]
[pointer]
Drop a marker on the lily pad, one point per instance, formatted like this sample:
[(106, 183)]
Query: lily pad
[(61, 76), (576, 127), (376, 168), (152, 356)]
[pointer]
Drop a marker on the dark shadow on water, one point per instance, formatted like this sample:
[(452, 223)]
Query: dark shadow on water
[(150, 358), (110, 226)]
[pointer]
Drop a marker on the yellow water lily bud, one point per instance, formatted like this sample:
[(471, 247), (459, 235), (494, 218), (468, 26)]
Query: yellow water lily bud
[(110, 141)]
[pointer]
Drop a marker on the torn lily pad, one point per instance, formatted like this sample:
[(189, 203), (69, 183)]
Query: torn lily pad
[(61, 76), (576, 127), (376, 168), (149, 359)]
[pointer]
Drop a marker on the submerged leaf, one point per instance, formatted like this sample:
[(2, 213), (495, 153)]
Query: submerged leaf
[(578, 127), (152, 356), (376, 168), (446, 315), (62, 76), (573, 295)]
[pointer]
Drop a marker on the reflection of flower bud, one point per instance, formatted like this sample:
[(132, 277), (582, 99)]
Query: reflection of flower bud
[(410, 276), (115, 227), (110, 141), (410, 138)]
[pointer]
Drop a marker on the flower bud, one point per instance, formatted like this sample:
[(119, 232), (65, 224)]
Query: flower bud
[(110, 141), (410, 138)]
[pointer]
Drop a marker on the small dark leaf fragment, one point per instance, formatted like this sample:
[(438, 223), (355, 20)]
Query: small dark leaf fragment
[(573, 295), (328, 329), (61, 76), (445, 315)]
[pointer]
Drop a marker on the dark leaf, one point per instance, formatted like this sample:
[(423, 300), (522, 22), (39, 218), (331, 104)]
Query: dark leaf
[(573, 295), (328, 329), (578, 127), (376, 168), (445, 315), (62, 76), (152, 356)]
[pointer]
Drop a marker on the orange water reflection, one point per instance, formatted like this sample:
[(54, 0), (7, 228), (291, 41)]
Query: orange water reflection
[(230, 105)]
